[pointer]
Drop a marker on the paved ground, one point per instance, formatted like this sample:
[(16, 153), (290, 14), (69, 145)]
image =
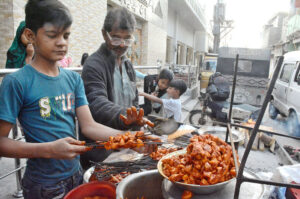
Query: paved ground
[(8, 185), (258, 161)]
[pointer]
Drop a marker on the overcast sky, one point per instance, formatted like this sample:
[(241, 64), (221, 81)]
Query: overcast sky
[(249, 18)]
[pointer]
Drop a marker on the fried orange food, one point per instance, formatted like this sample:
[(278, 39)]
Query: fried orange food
[(96, 197), (186, 194), (208, 161), (157, 155), (133, 117), (129, 140), (126, 140)]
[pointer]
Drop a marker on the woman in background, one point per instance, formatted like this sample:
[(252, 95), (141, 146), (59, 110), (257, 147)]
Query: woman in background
[(21, 51)]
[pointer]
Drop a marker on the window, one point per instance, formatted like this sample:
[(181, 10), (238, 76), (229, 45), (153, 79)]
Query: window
[(210, 65), (286, 72)]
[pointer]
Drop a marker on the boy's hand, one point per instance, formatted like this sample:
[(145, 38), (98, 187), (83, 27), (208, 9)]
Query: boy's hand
[(66, 148), (154, 94), (135, 118), (141, 93)]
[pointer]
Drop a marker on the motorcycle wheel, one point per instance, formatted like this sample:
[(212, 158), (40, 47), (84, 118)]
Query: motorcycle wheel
[(195, 118)]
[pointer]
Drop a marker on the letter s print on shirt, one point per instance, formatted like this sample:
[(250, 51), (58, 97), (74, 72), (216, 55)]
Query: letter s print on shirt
[(57, 105), (45, 107)]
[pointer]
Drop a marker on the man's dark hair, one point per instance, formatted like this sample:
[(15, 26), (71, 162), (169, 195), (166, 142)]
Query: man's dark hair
[(178, 84), (165, 74), (119, 19), (39, 12)]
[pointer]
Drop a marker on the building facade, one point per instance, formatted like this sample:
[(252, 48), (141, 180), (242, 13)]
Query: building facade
[(187, 32), (168, 31)]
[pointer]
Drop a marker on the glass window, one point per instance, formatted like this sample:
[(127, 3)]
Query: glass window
[(210, 65), (297, 76), (286, 72)]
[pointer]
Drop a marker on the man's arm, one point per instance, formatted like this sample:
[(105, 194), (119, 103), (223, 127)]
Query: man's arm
[(66, 148), (92, 129), (151, 97)]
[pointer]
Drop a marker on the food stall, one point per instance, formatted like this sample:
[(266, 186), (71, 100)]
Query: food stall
[(206, 167)]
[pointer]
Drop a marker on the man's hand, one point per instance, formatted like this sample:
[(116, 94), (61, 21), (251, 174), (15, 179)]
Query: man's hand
[(66, 148), (135, 118)]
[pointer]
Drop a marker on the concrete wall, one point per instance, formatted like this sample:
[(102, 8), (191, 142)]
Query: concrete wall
[(201, 41), (154, 44), (185, 33), (171, 27), (6, 29), (88, 18), (86, 36), (155, 36)]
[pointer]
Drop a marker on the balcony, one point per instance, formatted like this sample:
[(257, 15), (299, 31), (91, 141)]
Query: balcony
[(190, 11)]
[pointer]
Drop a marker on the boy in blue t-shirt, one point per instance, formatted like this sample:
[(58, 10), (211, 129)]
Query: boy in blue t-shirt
[(46, 99), (172, 106)]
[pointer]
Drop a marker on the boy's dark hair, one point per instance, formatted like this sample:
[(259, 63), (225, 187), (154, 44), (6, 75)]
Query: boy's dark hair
[(178, 84), (165, 74), (39, 12), (120, 19)]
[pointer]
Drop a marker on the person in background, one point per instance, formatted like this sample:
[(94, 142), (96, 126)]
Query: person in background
[(109, 78), (158, 88), (164, 78), (46, 98), (171, 106), (83, 58), (66, 62), (139, 74), (21, 51)]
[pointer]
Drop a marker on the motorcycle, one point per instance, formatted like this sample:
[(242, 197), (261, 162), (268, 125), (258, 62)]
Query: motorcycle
[(211, 111)]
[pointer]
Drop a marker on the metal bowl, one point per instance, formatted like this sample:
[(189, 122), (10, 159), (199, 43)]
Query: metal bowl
[(146, 183), (87, 174), (197, 189), (220, 132)]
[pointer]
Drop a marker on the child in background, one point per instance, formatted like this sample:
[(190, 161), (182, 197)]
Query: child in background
[(172, 106), (66, 62), (164, 78), (46, 98)]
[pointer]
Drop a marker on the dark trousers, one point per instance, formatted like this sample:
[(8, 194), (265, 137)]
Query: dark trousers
[(33, 190)]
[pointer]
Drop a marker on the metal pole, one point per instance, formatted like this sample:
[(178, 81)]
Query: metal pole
[(240, 177), (233, 149), (11, 172), (189, 76), (18, 193), (232, 92)]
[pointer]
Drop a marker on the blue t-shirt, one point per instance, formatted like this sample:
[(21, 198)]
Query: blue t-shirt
[(45, 107)]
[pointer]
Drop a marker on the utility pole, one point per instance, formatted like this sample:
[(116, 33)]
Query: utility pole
[(221, 26)]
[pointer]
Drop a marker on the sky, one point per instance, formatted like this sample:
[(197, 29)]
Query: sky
[(249, 17)]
